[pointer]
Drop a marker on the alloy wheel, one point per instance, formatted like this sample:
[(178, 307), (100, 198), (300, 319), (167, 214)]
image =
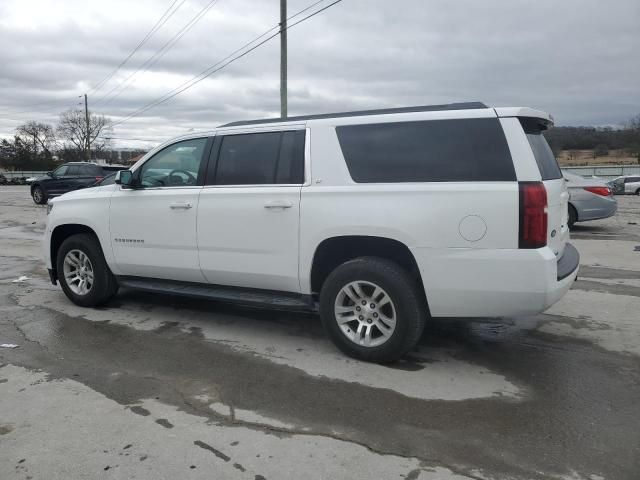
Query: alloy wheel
[(78, 272), (365, 313)]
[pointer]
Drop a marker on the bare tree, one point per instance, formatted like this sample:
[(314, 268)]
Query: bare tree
[(72, 128), (39, 137)]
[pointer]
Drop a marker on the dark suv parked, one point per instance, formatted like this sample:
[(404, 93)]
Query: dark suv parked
[(68, 177)]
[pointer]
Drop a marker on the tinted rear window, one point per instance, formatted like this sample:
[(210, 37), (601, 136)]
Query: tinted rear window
[(90, 170), (427, 151), (261, 158), (546, 160)]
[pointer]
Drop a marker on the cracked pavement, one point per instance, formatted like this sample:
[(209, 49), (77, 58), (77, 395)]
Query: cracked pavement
[(157, 387)]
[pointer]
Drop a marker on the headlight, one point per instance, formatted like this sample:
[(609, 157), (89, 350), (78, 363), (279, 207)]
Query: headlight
[(49, 208)]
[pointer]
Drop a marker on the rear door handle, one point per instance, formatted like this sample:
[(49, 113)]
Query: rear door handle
[(278, 205), (186, 205)]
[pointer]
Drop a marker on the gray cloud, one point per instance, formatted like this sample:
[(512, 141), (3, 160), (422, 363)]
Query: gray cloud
[(576, 59)]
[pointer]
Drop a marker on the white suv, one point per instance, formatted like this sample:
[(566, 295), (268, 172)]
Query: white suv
[(378, 219)]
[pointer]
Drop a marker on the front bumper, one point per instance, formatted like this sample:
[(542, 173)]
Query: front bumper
[(53, 276)]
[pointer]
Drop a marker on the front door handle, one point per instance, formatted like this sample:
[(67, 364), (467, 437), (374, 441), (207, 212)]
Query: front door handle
[(278, 205), (186, 205)]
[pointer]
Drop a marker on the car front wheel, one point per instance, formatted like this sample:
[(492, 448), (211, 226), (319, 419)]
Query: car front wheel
[(83, 272), (38, 195), (373, 309)]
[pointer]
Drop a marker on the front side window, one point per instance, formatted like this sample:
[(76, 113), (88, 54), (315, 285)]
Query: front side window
[(457, 150), (261, 159), (61, 171), (175, 166)]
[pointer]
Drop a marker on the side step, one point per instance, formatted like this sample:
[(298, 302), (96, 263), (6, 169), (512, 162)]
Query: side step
[(242, 296)]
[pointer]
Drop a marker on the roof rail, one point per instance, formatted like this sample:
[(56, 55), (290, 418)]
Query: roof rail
[(383, 111)]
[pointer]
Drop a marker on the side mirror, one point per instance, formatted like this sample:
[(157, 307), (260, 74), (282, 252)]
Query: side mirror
[(124, 178)]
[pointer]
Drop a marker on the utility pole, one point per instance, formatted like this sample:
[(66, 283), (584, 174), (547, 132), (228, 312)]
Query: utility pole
[(86, 117), (283, 58)]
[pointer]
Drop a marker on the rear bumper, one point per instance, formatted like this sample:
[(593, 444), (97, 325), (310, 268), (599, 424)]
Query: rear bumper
[(494, 283), (568, 262)]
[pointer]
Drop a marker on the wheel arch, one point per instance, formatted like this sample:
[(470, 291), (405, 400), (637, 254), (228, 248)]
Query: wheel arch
[(60, 233), (334, 251), (571, 206)]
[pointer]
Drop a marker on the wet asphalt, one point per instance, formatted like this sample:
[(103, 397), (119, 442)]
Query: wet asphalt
[(556, 395)]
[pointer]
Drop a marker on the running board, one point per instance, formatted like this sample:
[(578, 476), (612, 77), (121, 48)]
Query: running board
[(242, 296)]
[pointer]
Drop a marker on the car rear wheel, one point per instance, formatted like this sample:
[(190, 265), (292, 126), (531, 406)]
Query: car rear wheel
[(372, 309), (38, 195), (638, 191), (573, 215), (83, 272)]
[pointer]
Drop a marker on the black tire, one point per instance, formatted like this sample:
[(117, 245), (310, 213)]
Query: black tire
[(638, 191), (405, 293), (104, 285), (573, 216), (38, 194)]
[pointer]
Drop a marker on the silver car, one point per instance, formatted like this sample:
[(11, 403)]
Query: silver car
[(589, 199), (626, 185)]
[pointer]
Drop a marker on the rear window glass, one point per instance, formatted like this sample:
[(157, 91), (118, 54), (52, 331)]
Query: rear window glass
[(427, 151), (90, 170), (546, 160), (108, 180), (261, 159)]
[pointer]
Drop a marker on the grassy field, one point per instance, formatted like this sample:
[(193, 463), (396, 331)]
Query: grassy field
[(575, 158)]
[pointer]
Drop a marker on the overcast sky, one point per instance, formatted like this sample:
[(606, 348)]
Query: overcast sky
[(577, 59)]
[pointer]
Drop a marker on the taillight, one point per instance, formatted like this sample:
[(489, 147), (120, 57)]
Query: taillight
[(533, 215), (99, 178), (604, 191)]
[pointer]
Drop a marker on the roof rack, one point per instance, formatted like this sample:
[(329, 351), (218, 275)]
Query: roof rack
[(383, 111)]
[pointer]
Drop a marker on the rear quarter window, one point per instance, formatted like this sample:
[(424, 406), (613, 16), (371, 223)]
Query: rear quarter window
[(427, 151), (546, 160)]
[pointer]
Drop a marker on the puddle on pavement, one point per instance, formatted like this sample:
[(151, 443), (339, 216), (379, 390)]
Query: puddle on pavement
[(569, 417)]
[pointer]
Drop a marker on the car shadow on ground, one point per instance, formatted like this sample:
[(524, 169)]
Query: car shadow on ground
[(463, 337)]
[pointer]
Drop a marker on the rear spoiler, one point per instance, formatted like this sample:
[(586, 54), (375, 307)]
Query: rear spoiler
[(543, 119)]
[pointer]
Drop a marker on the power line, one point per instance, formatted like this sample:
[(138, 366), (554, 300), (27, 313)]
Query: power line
[(151, 61), (226, 61), (168, 13), (58, 104)]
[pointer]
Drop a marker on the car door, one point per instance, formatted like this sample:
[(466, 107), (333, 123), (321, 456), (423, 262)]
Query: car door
[(59, 181), (153, 226), (631, 184), (87, 175), (248, 214), (76, 177)]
